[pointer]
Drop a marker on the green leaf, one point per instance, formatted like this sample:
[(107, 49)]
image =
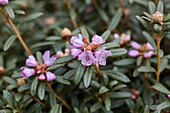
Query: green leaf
[(160, 52), (19, 12), (130, 104), (19, 96), (9, 98), (55, 67), (42, 44), (167, 17), (119, 94), (87, 76), (61, 80), (55, 109), (64, 59), (107, 102), (106, 34), (32, 17), (69, 74), (163, 105), (149, 39), (163, 64), (41, 90), (95, 84), (9, 11), (160, 7), (84, 33), (39, 57), (119, 87), (9, 80), (115, 20), (103, 15), (146, 110), (52, 99), (124, 62), (34, 86), (105, 79), (95, 107), (146, 69), (111, 84), (24, 87), (53, 38), (33, 108), (161, 88), (79, 74), (117, 52), (76, 110), (139, 61), (144, 23), (9, 42), (73, 14), (103, 89), (151, 7), (119, 76), (110, 45)]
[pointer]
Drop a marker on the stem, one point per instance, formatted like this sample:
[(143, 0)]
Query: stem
[(147, 81), (73, 20), (158, 40), (36, 99), (16, 32), (58, 97), (98, 71)]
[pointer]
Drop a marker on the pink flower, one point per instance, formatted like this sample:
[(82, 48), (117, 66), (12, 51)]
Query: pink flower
[(31, 62), (75, 52), (101, 56), (124, 39), (47, 60), (42, 77), (135, 45), (77, 41), (97, 40), (157, 17), (168, 96), (26, 73), (86, 58), (133, 53), (50, 76), (3, 2), (116, 36), (146, 50), (59, 54)]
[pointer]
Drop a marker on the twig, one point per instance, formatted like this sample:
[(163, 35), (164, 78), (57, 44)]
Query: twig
[(36, 99), (59, 98), (16, 32), (73, 20), (98, 71)]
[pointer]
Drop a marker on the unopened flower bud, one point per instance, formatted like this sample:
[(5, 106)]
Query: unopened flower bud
[(21, 81), (59, 54), (2, 70), (157, 28), (66, 33), (67, 51), (133, 97), (49, 21), (169, 96), (3, 2), (157, 17)]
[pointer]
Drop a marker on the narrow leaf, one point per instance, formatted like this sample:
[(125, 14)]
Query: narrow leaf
[(87, 76), (9, 42), (106, 34), (79, 74), (34, 86)]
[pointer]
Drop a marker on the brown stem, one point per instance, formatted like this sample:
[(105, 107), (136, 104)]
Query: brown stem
[(158, 40), (72, 20), (98, 71), (16, 32), (147, 82), (58, 97), (36, 99)]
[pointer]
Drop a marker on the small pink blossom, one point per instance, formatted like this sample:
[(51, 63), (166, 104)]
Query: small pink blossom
[(75, 52), (3, 2), (77, 41), (86, 58), (50, 76), (31, 62), (124, 39), (135, 45), (133, 53), (47, 60), (59, 54), (42, 77), (26, 72), (97, 40), (101, 56), (168, 96)]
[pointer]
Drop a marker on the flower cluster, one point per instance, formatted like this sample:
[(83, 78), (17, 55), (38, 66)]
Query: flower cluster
[(3, 2), (157, 17), (146, 50), (60, 54), (39, 70), (124, 39), (88, 52)]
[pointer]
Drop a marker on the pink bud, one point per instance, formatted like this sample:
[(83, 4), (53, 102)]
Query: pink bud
[(59, 54), (3, 2), (67, 51), (168, 96), (157, 17), (42, 77)]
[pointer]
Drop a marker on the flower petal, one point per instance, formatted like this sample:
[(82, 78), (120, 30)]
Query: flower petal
[(133, 53), (116, 36), (150, 46), (50, 76), (26, 73), (47, 60), (31, 62), (42, 77), (148, 54), (135, 45), (75, 52), (97, 40)]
